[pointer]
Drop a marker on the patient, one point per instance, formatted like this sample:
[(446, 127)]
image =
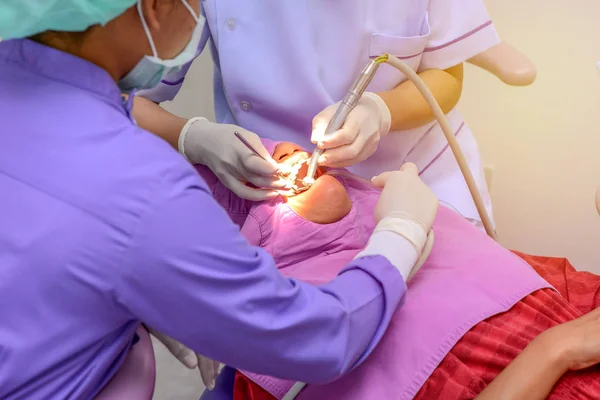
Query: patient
[(471, 309)]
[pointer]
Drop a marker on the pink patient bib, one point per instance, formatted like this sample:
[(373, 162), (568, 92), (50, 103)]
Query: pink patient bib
[(467, 278)]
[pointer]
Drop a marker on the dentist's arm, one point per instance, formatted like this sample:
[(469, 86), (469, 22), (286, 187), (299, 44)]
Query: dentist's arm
[(153, 118), (407, 106), (192, 276)]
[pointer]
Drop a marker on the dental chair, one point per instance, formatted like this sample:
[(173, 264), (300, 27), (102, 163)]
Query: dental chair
[(135, 380), (508, 64)]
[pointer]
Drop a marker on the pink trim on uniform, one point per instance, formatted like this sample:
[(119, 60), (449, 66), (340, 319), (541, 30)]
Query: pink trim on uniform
[(409, 57), (459, 39), (421, 139), (400, 57), (441, 152)]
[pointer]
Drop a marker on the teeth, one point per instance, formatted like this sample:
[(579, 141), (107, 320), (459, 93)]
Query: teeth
[(293, 176)]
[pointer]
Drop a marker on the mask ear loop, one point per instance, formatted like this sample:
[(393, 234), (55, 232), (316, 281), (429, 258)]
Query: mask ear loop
[(191, 10), (146, 29)]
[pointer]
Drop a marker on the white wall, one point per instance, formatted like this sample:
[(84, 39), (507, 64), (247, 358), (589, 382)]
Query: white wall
[(543, 141), (195, 98)]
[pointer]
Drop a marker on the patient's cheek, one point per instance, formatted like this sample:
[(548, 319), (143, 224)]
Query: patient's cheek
[(325, 202)]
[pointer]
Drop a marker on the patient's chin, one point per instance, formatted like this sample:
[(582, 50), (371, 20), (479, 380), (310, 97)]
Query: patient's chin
[(325, 202)]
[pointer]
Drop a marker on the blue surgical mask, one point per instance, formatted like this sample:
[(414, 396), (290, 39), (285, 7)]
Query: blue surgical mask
[(151, 69)]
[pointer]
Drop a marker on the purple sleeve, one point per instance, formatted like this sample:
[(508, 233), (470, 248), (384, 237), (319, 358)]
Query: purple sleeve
[(236, 207), (190, 274)]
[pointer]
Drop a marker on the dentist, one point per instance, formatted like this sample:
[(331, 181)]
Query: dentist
[(104, 226)]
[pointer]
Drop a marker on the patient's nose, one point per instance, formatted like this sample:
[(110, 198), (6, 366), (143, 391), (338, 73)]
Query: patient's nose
[(285, 150)]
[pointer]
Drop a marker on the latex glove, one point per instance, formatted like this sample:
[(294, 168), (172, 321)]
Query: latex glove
[(404, 193), (216, 146), (404, 215), (209, 369), (358, 138)]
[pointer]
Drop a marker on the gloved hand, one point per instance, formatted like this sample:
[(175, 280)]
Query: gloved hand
[(406, 209), (358, 139), (404, 193), (209, 369), (216, 146)]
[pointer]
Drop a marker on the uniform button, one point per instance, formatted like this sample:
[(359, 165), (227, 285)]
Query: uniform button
[(231, 24), (245, 106)]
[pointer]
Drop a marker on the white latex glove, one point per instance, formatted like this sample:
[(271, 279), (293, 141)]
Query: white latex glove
[(404, 193), (209, 369), (216, 146), (404, 214), (358, 139)]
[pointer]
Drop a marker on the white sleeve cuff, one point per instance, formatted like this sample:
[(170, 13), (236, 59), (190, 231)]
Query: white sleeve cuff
[(401, 253)]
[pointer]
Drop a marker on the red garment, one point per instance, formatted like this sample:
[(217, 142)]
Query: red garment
[(483, 352), (491, 345), (245, 389)]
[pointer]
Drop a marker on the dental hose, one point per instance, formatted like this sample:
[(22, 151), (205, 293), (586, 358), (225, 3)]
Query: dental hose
[(452, 142), (352, 98)]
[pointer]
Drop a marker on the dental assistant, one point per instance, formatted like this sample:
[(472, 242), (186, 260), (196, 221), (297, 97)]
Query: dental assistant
[(280, 65), (104, 226)]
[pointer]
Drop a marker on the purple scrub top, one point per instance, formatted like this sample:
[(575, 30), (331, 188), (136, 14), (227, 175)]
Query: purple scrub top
[(104, 226)]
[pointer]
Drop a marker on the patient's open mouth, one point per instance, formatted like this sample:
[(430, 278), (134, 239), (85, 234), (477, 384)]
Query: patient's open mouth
[(299, 168)]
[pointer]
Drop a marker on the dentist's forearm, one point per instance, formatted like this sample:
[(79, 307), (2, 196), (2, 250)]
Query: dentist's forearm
[(408, 108), (153, 118)]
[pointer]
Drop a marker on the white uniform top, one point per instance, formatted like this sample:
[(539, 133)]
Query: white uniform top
[(280, 62)]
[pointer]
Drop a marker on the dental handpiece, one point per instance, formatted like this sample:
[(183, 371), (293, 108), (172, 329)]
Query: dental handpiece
[(346, 106)]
